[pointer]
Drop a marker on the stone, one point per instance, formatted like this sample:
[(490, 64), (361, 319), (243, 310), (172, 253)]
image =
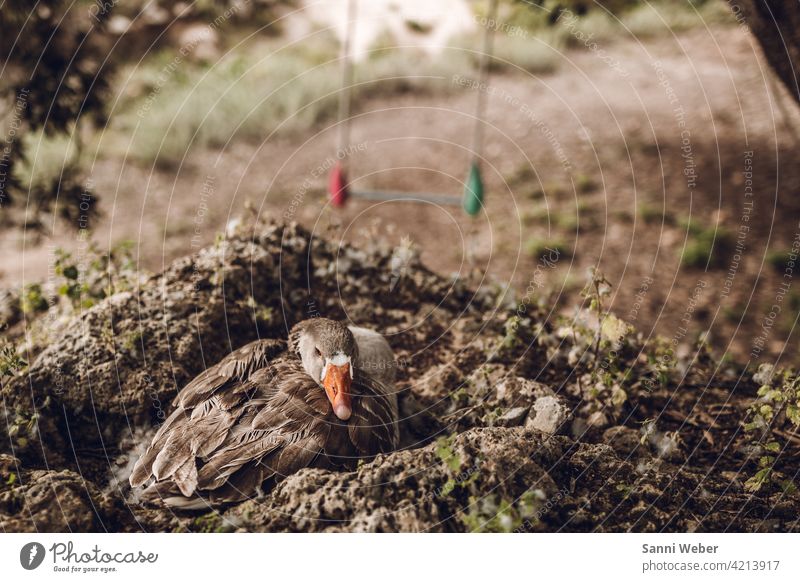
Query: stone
[(514, 416), (55, 501), (10, 312), (550, 415)]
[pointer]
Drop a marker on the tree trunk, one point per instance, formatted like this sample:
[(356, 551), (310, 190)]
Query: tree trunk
[(776, 25)]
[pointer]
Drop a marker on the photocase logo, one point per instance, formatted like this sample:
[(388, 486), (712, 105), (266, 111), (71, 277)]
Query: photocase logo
[(31, 555)]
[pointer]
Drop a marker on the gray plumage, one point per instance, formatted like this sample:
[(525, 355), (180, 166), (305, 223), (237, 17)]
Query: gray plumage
[(375, 356), (261, 414)]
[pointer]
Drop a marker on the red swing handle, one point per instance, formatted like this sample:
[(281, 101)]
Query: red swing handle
[(337, 186)]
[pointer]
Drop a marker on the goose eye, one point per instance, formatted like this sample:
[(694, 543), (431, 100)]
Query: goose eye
[(319, 353)]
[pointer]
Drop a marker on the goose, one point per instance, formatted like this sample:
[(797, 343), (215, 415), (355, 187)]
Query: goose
[(323, 399)]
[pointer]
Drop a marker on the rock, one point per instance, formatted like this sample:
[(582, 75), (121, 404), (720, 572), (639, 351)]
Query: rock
[(597, 419), (520, 391), (419, 422), (439, 381), (118, 25), (413, 490), (625, 441), (514, 416), (578, 428), (153, 14), (551, 414), (54, 501), (10, 312)]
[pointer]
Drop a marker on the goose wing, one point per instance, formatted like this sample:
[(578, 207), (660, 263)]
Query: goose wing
[(207, 409)]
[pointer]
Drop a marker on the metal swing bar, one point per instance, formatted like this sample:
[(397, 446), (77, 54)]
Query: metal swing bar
[(395, 196), (472, 200)]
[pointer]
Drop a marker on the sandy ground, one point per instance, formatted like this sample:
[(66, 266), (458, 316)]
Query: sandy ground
[(688, 104)]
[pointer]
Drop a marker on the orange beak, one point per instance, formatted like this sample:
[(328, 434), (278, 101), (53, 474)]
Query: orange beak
[(337, 387)]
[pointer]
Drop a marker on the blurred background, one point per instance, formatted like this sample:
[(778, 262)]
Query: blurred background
[(651, 140)]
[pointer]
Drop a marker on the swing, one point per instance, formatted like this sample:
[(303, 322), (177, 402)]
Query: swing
[(472, 199)]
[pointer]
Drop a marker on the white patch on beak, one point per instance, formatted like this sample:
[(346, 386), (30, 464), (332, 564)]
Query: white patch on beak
[(337, 360), (340, 359)]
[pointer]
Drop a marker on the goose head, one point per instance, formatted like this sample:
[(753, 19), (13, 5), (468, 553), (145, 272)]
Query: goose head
[(328, 352)]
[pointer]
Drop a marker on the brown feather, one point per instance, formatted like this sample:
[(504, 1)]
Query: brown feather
[(242, 485), (293, 457), (210, 432), (175, 453), (185, 477), (143, 469), (229, 460)]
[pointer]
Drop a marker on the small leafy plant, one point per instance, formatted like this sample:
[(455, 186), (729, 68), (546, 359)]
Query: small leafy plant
[(10, 361), (706, 246), (97, 276), (776, 408)]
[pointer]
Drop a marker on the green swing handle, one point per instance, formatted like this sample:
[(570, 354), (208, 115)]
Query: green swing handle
[(473, 191)]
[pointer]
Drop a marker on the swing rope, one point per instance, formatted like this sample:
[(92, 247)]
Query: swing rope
[(337, 180), (483, 79), (343, 135), (473, 189), (472, 200)]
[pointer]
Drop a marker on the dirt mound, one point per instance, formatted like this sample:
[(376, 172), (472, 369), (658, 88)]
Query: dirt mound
[(511, 422)]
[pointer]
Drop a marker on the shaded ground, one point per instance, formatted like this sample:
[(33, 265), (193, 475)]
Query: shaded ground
[(588, 159), (505, 422)]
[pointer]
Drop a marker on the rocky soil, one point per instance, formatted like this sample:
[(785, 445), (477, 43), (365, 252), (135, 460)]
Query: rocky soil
[(512, 420)]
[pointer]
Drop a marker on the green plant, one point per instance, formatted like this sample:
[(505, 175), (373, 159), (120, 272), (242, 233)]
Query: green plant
[(706, 247), (780, 260), (210, 523), (10, 361), (653, 214), (61, 53), (536, 248), (776, 407), (23, 425), (566, 220), (199, 106), (33, 299), (261, 313), (585, 184), (446, 454), (610, 328), (487, 514), (734, 313), (511, 337), (654, 19), (493, 513), (131, 342), (97, 275), (661, 363), (531, 55), (458, 478), (538, 215), (51, 172)]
